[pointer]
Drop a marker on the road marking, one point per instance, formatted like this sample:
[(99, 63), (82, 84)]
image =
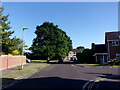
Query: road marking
[(90, 86), (87, 84), (92, 82), (73, 65)]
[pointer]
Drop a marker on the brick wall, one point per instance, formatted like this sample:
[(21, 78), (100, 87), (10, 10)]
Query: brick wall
[(8, 61), (113, 50)]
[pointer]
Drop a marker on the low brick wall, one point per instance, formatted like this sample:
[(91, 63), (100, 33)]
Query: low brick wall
[(8, 61)]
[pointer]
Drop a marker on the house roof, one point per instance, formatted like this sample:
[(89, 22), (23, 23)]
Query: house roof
[(112, 35), (100, 48), (76, 50)]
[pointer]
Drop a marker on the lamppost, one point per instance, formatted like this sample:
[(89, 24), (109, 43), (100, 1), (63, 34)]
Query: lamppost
[(23, 40)]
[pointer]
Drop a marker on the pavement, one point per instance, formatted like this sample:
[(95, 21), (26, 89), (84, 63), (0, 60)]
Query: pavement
[(69, 75)]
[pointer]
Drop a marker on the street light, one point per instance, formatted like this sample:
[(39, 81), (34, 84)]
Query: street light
[(23, 40)]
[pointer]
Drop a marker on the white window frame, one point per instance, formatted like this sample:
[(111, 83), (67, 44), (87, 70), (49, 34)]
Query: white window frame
[(114, 43), (117, 55)]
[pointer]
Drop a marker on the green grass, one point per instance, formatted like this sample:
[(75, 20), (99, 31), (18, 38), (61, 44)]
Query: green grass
[(39, 61), (93, 64), (53, 60), (102, 64), (28, 70), (66, 60), (43, 61), (116, 66)]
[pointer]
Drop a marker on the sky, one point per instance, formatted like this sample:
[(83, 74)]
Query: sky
[(60, 0), (84, 22)]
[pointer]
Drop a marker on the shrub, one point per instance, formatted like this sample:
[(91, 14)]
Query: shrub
[(15, 52), (115, 61)]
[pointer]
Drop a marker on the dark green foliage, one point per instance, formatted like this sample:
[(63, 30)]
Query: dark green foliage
[(80, 57), (51, 42), (80, 48), (7, 43), (86, 56)]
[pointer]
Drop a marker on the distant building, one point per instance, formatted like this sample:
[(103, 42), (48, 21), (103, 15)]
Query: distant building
[(109, 50), (72, 54), (101, 54)]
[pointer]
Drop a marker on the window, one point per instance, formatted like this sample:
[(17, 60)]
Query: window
[(117, 56), (115, 43)]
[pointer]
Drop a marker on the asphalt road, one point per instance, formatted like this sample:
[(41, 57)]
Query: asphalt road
[(65, 75)]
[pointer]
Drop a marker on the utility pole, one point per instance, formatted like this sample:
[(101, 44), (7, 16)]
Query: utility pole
[(22, 47), (23, 41)]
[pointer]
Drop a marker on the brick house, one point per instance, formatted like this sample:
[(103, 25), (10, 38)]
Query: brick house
[(109, 50), (112, 40), (72, 54)]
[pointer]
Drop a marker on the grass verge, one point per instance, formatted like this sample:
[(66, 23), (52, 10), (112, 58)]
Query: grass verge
[(39, 61), (43, 61), (94, 64), (116, 66), (16, 74), (102, 65)]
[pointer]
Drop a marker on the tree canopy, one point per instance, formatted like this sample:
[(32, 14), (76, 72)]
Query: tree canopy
[(8, 43), (51, 42), (81, 48)]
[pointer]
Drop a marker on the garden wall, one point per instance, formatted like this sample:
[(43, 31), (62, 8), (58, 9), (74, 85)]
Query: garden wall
[(8, 61)]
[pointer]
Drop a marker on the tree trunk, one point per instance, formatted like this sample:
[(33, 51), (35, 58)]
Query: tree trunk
[(48, 60), (61, 60)]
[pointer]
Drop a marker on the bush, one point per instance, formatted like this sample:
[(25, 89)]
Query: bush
[(86, 57), (15, 52), (115, 61)]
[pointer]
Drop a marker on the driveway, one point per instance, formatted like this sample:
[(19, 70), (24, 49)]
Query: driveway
[(66, 75)]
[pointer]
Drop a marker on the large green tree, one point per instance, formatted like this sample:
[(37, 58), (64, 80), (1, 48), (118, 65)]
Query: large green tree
[(51, 42), (7, 42)]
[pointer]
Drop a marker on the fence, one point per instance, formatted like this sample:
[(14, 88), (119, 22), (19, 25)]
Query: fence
[(8, 61)]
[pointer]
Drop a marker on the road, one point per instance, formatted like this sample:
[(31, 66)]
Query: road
[(65, 75)]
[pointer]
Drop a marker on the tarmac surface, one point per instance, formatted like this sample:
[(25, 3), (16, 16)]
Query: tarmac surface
[(69, 75)]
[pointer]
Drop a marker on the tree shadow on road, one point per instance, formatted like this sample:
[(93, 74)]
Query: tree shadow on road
[(48, 82), (108, 81), (109, 85), (7, 81), (55, 82), (108, 76)]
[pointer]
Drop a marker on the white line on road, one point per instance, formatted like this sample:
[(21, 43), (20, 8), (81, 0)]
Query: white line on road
[(86, 84), (73, 65), (91, 85)]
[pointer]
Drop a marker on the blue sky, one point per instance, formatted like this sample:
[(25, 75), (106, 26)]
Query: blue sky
[(84, 22)]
